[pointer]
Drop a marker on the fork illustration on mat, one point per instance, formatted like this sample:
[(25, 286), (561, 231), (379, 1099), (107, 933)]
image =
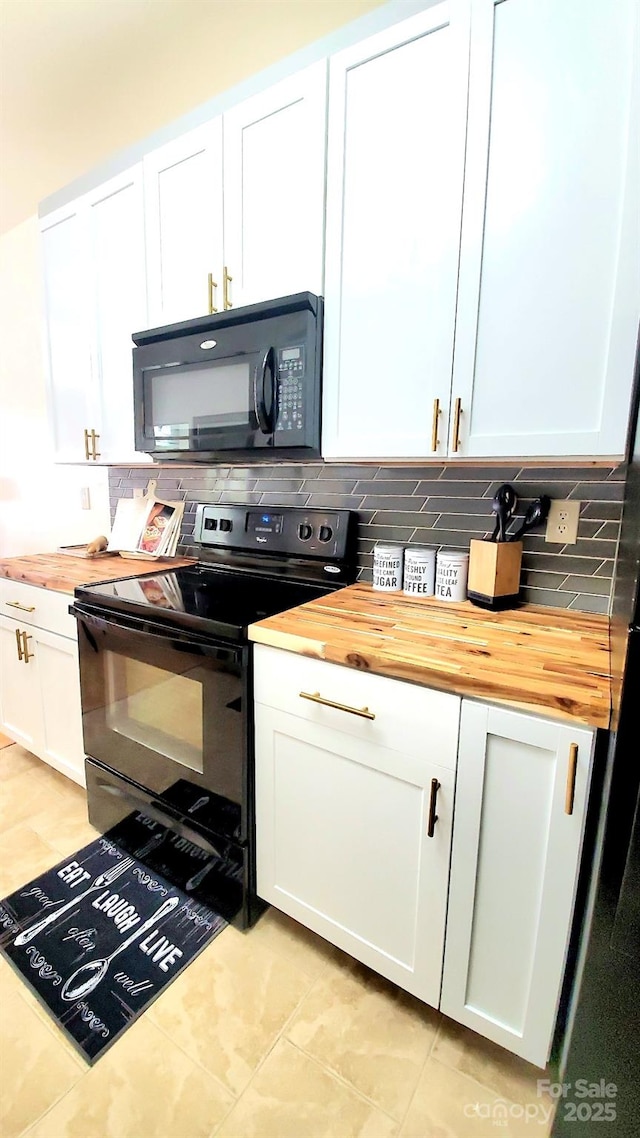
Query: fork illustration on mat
[(105, 878)]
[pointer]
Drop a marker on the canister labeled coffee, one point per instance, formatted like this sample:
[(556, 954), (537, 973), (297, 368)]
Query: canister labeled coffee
[(387, 568), (452, 570), (419, 571)]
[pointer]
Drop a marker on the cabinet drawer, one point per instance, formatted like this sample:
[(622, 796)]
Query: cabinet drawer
[(406, 717), (29, 604)]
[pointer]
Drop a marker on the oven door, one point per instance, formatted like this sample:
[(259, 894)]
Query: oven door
[(166, 709)]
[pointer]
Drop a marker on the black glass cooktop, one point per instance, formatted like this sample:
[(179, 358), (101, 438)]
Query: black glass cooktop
[(203, 597)]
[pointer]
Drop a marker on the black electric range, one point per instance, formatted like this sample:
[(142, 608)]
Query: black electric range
[(167, 694)]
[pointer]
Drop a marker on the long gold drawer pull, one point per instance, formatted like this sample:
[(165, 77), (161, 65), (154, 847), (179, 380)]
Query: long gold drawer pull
[(434, 425), (17, 605), (456, 424), (433, 817), (226, 281), (94, 437), (87, 450), (315, 697), (26, 654), (571, 778), (19, 643), (213, 287)]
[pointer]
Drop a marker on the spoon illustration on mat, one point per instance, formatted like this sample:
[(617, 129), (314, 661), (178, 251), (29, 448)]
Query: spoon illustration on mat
[(88, 976), (98, 882)]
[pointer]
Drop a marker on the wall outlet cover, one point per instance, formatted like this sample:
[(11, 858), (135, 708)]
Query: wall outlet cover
[(562, 522)]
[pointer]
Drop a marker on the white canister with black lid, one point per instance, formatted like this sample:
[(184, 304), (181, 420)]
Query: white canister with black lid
[(387, 567), (452, 571), (419, 571)]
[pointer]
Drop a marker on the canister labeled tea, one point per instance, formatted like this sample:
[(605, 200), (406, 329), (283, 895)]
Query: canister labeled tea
[(387, 568), (452, 570), (419, 571)]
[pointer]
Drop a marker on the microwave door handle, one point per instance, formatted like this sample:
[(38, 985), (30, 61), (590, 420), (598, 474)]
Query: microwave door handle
[(266, 421)]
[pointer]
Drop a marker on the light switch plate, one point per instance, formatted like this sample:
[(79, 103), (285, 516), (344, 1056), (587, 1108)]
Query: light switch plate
[(85, 498), (562, 523)]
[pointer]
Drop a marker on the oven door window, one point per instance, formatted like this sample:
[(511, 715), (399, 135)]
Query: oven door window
[(168, 715), (190, 406)]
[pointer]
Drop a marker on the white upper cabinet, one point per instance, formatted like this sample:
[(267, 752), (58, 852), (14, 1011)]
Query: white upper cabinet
[(549, 289), (397, 107), (183, 219), (116, 236), (274, 177), (72, 401), (95, 297)]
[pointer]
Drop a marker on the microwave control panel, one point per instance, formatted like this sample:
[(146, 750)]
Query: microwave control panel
[(291, 371)]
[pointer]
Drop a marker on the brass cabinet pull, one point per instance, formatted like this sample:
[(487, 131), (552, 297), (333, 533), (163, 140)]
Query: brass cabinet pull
[(456, 424), (571, 779), (433, 817), (26, 654), (87, 452), (94, 437), (19, 643), (17, 605), (434, 425), (226, 281), (212, 285), (315, 697)]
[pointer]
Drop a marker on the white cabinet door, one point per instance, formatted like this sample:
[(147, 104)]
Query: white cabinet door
[(72, 393), (274, 173), (397, 107), (183, 225), (117, 257), (20, 705), (59, 682), (514, 867), (549, 281)]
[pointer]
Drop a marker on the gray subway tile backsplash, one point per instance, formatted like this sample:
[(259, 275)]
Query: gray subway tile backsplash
[(422, 505)]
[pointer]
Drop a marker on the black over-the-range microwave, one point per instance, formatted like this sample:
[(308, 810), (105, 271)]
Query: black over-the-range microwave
[(238, 382)]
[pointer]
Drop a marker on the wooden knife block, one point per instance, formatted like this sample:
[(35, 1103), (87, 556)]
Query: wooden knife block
[(494, 573)]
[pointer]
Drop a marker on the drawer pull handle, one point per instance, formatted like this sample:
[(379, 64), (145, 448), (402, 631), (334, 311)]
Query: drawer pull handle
[(19, 643), (571, 778), (315, 697), (434, 425), (227, 279), (87, 449), (24, 608), (213, 288), (433, 817), (457, 411), (26, 654)]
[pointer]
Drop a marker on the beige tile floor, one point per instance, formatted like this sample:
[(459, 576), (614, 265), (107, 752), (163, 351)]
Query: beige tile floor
[(268, 1034)]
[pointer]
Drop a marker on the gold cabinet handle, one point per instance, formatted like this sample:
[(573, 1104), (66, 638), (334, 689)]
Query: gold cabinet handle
[(315, 697), (571, 779), (213, 285), (26, 654), (433, 817), (87, 451), (456, 424), (226, 281), (23, 608), (434, 425), (94, 437), (19, 643)]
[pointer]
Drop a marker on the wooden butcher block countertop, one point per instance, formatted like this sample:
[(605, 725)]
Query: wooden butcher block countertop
[(62, 573), (551, 661)]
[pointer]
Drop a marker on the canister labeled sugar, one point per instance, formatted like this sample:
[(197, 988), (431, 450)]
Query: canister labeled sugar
[(419, 571), (387, 568), (452, 570)]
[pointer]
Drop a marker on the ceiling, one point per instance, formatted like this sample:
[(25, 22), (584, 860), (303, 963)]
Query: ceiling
[(82, 79)]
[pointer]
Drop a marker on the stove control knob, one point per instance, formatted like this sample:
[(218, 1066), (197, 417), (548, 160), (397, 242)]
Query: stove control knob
[(225, 525), (326, 533), (304, 531)]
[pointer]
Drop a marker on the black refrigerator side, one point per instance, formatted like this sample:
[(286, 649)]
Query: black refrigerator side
[(600, 1065)]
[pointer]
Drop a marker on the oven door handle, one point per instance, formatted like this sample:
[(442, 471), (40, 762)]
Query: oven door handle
[(150, 630)]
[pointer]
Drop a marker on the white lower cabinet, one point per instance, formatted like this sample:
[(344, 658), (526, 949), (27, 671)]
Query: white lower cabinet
[(39, 677), (516, 848), (344, 842)]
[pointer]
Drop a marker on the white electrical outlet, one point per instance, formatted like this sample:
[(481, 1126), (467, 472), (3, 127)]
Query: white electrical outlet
[(562, 523), (85, 498)]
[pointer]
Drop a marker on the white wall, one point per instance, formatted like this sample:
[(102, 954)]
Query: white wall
[(39, 502)]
